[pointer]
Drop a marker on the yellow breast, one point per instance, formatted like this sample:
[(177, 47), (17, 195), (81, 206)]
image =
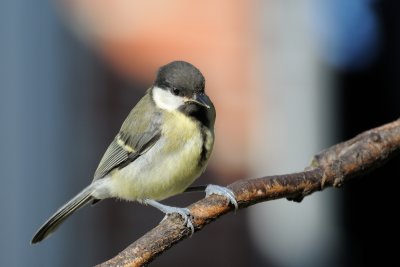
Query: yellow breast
[(170, 166)]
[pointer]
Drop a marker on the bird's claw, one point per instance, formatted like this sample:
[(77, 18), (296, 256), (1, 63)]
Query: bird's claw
[(185, 214), (222, 191)]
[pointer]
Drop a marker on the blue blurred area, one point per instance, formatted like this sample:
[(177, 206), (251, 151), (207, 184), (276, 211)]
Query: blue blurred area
[(41, 126), (347, 32)]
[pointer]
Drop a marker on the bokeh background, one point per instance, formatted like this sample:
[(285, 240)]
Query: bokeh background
[(288, 79)]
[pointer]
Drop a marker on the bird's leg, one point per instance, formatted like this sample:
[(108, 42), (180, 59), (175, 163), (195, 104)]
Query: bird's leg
[(195, 188), (184, 212)]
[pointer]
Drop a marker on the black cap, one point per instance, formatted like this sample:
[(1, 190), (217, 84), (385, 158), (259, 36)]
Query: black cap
[(181, 76)]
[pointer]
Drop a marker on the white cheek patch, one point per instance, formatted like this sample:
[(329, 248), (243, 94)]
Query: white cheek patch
[(164, 99)]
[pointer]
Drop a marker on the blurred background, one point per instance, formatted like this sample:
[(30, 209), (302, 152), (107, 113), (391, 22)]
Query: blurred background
[(288, 79)]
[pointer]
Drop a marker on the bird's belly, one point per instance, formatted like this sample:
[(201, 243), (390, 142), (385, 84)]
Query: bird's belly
[(160, 173)]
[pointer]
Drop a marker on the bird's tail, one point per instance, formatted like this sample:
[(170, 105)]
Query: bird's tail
[(63, 213)]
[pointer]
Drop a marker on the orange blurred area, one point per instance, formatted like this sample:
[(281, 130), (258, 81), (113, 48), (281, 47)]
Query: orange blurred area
[(137, 37)]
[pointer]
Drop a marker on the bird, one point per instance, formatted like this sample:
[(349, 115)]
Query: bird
[(162, 147)]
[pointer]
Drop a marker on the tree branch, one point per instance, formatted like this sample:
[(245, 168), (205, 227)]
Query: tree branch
[(331, 167)]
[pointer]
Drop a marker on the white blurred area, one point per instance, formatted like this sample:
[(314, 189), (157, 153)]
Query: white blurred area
[(298, 107)]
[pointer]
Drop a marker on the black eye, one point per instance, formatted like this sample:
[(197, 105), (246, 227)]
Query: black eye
[(176, 91)]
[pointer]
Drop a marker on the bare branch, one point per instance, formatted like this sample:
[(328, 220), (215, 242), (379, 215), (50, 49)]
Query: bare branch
[(331, 167)]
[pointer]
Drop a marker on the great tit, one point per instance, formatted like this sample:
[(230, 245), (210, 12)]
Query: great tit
[(162, 147)]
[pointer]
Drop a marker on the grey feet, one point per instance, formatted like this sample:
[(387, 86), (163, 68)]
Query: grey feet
[(222, 191), (183, 212)]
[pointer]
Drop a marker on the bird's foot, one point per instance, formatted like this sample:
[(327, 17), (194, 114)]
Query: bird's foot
[(183, 212), (222, 191)]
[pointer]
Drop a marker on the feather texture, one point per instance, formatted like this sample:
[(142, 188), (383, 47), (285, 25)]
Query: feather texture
[(138, 134), (63, 213)]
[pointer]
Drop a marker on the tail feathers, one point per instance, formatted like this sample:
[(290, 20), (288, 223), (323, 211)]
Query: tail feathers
[(62, 214)]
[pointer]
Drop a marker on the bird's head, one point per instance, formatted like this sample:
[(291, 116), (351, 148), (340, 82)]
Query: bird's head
[(179, 84)]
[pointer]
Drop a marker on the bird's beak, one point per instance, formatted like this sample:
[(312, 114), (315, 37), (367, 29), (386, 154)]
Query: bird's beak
[(201, 99)]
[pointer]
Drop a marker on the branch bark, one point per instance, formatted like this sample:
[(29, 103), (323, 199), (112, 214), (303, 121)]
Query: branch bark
[(331, 167)]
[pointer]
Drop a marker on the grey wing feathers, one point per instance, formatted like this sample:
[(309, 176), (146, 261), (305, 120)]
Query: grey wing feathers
[(119, 154), (114, 155), (140, 131)]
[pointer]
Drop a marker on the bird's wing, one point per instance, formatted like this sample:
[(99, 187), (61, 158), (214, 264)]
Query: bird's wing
[(136, 137), (119, 154)]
